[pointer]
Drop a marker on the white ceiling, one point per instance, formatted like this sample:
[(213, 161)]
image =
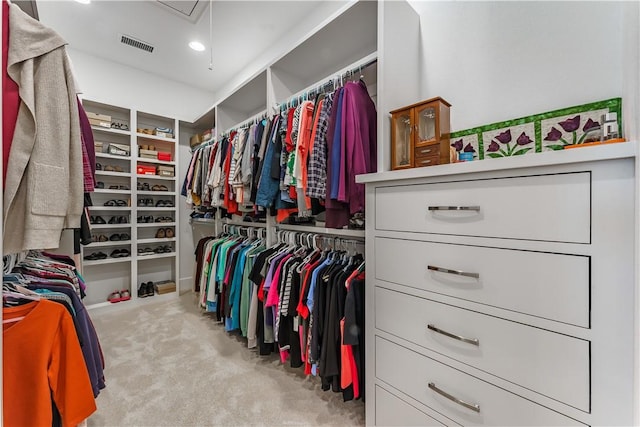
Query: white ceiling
[(242, 31)]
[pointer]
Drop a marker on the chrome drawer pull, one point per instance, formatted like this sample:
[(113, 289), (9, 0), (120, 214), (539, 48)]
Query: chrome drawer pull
[(454, 208), (425, 162), (471, 406), (473, 341), (458, 272)]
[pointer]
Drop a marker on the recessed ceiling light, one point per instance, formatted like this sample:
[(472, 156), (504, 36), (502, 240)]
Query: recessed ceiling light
[(197, 46), (84, 1)]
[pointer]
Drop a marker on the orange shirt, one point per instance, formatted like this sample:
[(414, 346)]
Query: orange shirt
[(41, 358)]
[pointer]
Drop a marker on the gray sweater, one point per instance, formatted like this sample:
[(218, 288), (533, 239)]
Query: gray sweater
[(44, 185)]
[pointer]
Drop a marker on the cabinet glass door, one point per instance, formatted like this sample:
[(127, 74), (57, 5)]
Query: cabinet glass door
[(426, 121), (402, 149)]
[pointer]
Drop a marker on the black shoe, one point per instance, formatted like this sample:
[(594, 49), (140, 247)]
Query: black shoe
[(124, 237), (95, 256), (113, 220), (115, 254), (150, 289), (99, 220), (99, 184), (142, 290), (123, 220), (114, 237)]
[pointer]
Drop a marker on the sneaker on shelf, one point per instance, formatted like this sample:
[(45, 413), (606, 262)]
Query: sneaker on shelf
[(150, 289), (142, 290)]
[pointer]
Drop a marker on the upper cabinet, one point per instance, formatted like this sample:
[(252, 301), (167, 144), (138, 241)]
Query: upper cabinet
[(246, 102), (348, 38)]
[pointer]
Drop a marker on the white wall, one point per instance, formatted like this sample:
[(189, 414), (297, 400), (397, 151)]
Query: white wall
[(399, 69), (117, 84), (495, 61)]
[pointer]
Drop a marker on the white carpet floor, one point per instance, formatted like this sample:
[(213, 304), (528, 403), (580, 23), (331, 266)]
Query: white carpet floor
[(167, 364)]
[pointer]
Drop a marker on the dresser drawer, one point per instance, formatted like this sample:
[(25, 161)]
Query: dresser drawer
[(413, 374), (535, 283), (393, 411), (549, 363), (542, 207)]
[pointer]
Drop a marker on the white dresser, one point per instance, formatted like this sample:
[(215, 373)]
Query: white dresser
[(504, 292)]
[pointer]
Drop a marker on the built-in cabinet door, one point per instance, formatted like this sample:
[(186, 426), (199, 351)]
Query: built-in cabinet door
[(401, 139)]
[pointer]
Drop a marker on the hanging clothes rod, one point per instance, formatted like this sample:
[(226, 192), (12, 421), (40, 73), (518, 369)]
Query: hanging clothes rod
[(334, 82), (247, 123)]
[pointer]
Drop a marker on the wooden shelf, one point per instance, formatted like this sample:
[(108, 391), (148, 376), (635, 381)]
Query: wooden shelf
[(106, 244), (109, 173), (141, 208), (155, 161), (110, 130), (245, 223), (134, 301), (103, 226), (158, 240), (156, 193), (157, 224), (157, 177), (112, 156), (109, 208), (110, 191), (106, 261), (206, 221), (156, 256), (321, 230), (156, 138)]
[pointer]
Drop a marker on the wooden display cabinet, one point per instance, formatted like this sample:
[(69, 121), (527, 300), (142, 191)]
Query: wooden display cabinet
[(420, 134)]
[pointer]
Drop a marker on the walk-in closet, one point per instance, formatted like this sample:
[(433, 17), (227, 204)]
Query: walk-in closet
[(340, 213)]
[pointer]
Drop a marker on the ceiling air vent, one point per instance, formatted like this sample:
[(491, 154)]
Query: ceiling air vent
[(139, 44)]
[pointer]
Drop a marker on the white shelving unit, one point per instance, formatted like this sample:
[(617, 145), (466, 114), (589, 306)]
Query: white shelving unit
[(342, 43), (111, 274)]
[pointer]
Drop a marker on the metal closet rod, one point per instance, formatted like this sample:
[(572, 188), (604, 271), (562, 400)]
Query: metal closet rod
[(247, 123), (304, 94)]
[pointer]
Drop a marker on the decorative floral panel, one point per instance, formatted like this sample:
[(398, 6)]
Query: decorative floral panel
[(510, 141), (533, 134), (571, 129), (467, 143)]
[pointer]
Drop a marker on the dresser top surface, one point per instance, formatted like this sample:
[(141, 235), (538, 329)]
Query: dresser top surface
[(578, 155)]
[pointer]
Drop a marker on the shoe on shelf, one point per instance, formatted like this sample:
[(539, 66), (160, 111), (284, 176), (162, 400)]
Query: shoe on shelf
[(159, 249), (98, 220), (113, 220), (123, 220), (114, 297), (142, 290), (115, 253), (98, 166), (102, 238), (168, 232), (99, 184), (95, 256), (161, 233), (124, 253), (150, 289), (125, 295), (124, 237), (114, 237)]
